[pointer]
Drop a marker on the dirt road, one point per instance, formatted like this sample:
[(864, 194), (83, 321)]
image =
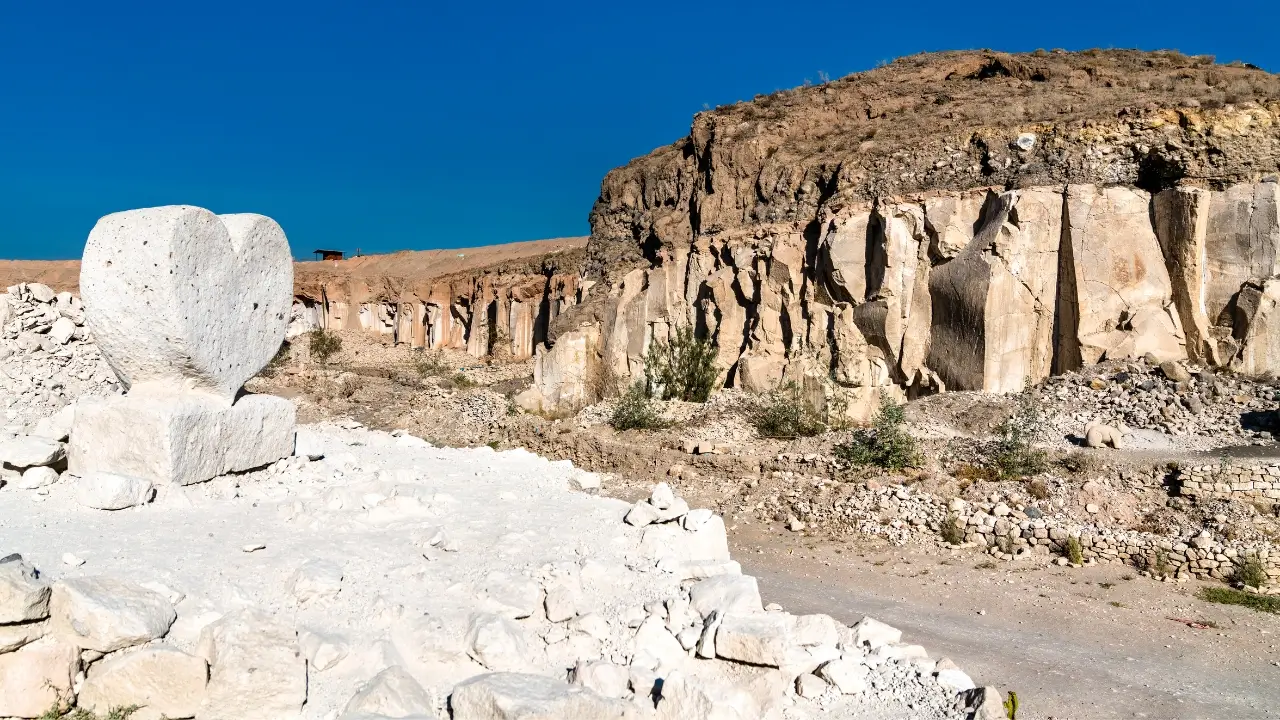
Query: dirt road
[(1075, 644)]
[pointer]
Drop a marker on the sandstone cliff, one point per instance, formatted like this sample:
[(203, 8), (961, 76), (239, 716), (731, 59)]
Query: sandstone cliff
[(972, 221), (497, 300)]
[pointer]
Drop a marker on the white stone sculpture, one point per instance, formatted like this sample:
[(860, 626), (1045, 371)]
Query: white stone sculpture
[(185, 306)]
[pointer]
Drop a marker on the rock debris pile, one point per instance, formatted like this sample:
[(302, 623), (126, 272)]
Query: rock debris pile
[(1200, 407), (46, 361)]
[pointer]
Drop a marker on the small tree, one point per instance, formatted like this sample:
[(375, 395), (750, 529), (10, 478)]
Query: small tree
[(683, 368), (888, 445), (323, 344), (784, 413), (1012, 455), (635, 410)]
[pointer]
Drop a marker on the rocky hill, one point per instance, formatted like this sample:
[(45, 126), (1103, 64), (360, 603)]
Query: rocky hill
[(968, 220)]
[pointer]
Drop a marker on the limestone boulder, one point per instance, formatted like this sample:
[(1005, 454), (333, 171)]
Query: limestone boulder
[(602, 677), (16, 635), (180, 439), (179, 297), (316, 579), (162, 681), (34, 478), (257, 669), (24, 595), (37, 677), (761, 639), (497, 643), (516, 696), (107, 614), (685, 696), (738, 594), (109, 491), (391, 693), (25, 451)]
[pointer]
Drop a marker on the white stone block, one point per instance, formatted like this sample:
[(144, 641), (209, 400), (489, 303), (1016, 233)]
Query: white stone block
[(179, 439), (161, 680), (108, 491), (179, 297), (258, 672), (106, 614)]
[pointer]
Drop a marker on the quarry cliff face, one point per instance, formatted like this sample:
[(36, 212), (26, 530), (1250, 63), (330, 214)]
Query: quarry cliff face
[(491, 301), (968, 221)]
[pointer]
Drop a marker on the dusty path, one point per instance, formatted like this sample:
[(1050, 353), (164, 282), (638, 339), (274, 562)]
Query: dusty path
[(1053, 636)]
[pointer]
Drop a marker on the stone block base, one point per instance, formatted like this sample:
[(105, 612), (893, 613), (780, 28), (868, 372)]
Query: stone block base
[(181, 438)]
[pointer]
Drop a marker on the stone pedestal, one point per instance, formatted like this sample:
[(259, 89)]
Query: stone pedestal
[(179, 438)]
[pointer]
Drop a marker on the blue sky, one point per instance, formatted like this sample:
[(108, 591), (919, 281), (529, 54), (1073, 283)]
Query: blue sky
[(394, 125)]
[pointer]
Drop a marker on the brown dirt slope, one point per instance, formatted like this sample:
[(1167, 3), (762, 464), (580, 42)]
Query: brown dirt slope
[(943, 121), (412, 265), (61, 275)]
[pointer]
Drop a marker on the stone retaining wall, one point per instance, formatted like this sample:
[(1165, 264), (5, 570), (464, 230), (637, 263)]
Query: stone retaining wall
[(1253, 482), (1009, 533)]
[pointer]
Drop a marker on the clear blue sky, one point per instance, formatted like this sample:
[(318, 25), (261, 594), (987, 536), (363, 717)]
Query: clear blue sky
[(392, 125)]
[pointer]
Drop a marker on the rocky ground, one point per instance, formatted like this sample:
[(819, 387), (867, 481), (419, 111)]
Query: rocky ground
[(373, 575), (766, 487)]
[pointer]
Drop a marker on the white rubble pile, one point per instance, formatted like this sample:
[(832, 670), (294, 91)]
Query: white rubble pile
[(390, 579), (46, 360)]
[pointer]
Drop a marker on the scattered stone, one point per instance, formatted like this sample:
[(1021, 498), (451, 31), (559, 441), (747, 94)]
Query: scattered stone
[(810, 687), (106, 614), (754, 639), (15, 636), (602, 677), (36, 677), (25, 451), (497, 643), (317, 580), (738, 594), (34, 478), (662, 497), (24, 595), (162, 680), (391, 693), (848, 677), (107, 491), (258, 672), (516, 696)]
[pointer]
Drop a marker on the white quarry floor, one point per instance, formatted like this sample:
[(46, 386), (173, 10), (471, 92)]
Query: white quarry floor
[(370, 506)]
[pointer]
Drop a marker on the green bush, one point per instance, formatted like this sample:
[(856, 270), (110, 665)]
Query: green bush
[(431, 364), (323, 344), (952, 532), (1231, 596), (1250, 571), (783, 413), (1012, 455), (635, 411), (683, 368), (277, 361), (1075, 553), (888, 445)]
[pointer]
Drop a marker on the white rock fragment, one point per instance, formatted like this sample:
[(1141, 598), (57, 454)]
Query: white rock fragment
[(663, 497), (108, 491), (37, 677), (516, 696), (754, 639), (602, 677), (321, 650), (72, 560), (846, 676), (641, 514), (24, 595), (25, 451), (258, 672), (687, 697), (107, 614), (317, 579), (513, 597), (738, 594), (810, 686), (15, 636), (872, 633), (34, 478), (497, 643), (62, 330), (656, 648), (391, 693), (162, 680)]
